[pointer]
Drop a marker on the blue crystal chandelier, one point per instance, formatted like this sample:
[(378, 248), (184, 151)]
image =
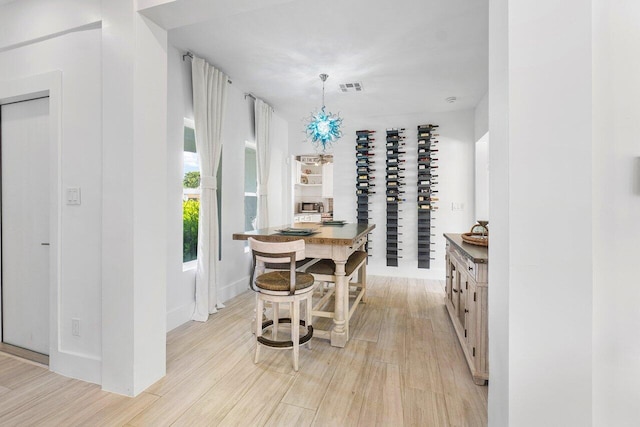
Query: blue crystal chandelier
[(323, 128)]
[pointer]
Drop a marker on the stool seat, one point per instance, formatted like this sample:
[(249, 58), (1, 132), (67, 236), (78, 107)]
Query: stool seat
[(328, 267), (281, 281)]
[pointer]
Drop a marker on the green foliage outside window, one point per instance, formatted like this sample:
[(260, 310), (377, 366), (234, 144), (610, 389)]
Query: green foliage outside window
[(191, 180), (190, 212)]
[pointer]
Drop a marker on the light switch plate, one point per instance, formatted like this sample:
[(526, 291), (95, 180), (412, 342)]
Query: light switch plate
[(73, 195)]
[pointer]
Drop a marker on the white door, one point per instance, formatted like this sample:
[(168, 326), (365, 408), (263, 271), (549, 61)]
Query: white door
[(24, 146)]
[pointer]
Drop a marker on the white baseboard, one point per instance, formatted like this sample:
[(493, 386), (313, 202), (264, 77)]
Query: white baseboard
[(79, 366), (412, 273), (234, 289), (180, 315)]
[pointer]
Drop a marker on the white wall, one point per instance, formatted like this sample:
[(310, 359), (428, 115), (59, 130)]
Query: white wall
[(233, 274), (616, 210), (77, 55), (455, 170), (481, 132), (279, 173), (481, 121), (238, 127), (482, 177), (541, 204), (26, 21)]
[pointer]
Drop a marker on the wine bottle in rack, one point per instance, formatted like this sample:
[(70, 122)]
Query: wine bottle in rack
[(364, 153), (426, 200), (395, 150)]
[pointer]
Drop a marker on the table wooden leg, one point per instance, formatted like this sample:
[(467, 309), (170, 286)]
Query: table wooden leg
[(339, 333), (362, 276)]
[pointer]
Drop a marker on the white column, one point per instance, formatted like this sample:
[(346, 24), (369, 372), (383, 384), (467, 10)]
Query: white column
[(134, 73), (540, 297), (616, 210), (498, 303)]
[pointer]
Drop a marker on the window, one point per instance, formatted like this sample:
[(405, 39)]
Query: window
[(250, 187), (190, 194)]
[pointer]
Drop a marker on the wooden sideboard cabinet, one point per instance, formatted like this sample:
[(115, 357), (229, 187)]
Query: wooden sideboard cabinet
[(466, 301)]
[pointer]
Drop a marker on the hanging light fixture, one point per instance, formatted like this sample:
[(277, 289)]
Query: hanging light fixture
[(323, 128)]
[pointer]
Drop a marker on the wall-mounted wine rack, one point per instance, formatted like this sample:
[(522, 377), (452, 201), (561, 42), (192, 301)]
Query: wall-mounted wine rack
[(427, 192), (395, 182), (364, 184)]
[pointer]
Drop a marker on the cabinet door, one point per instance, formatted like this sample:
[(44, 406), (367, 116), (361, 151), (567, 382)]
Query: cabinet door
[(473, 307), (455, 289), (463, 286), (452, 286), (449, 267)]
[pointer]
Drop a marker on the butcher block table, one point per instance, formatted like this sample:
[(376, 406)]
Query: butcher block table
[(330, 242)]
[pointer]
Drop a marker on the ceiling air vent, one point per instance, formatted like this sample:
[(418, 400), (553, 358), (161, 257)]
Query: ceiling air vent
[(351, 87)]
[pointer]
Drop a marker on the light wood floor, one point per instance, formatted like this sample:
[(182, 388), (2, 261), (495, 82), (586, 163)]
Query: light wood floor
[(402, 366)]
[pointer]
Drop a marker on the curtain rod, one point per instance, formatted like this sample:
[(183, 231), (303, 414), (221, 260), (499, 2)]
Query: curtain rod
[(189, 55), (252, 96)]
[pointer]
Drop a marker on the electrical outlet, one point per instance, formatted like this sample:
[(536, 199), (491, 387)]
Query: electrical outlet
[(75, 327)]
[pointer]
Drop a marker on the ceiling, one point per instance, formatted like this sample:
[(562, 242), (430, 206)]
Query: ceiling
[(409, 55)]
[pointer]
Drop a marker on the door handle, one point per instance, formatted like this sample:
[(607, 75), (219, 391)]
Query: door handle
[(44, 244)]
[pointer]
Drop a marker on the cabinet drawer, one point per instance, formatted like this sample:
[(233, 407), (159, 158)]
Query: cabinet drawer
[(457, 256), (361, 241)]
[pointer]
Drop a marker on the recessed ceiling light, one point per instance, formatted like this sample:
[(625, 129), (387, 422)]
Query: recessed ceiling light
[(451, 99)]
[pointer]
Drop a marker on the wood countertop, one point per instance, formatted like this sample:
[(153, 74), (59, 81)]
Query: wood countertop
[(346, 234), (479, 254)]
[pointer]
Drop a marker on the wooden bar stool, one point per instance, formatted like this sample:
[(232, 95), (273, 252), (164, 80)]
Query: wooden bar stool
[(282, 286), (323, 271)]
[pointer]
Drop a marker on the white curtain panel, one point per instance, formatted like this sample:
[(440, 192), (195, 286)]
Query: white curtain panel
[(263, 113), (209, 102)]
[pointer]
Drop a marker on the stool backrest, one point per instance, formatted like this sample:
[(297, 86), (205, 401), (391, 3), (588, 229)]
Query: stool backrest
[(276, 248), (277, 252)]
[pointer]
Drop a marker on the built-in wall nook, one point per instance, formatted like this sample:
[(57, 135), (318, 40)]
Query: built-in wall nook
[(312, 190)]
